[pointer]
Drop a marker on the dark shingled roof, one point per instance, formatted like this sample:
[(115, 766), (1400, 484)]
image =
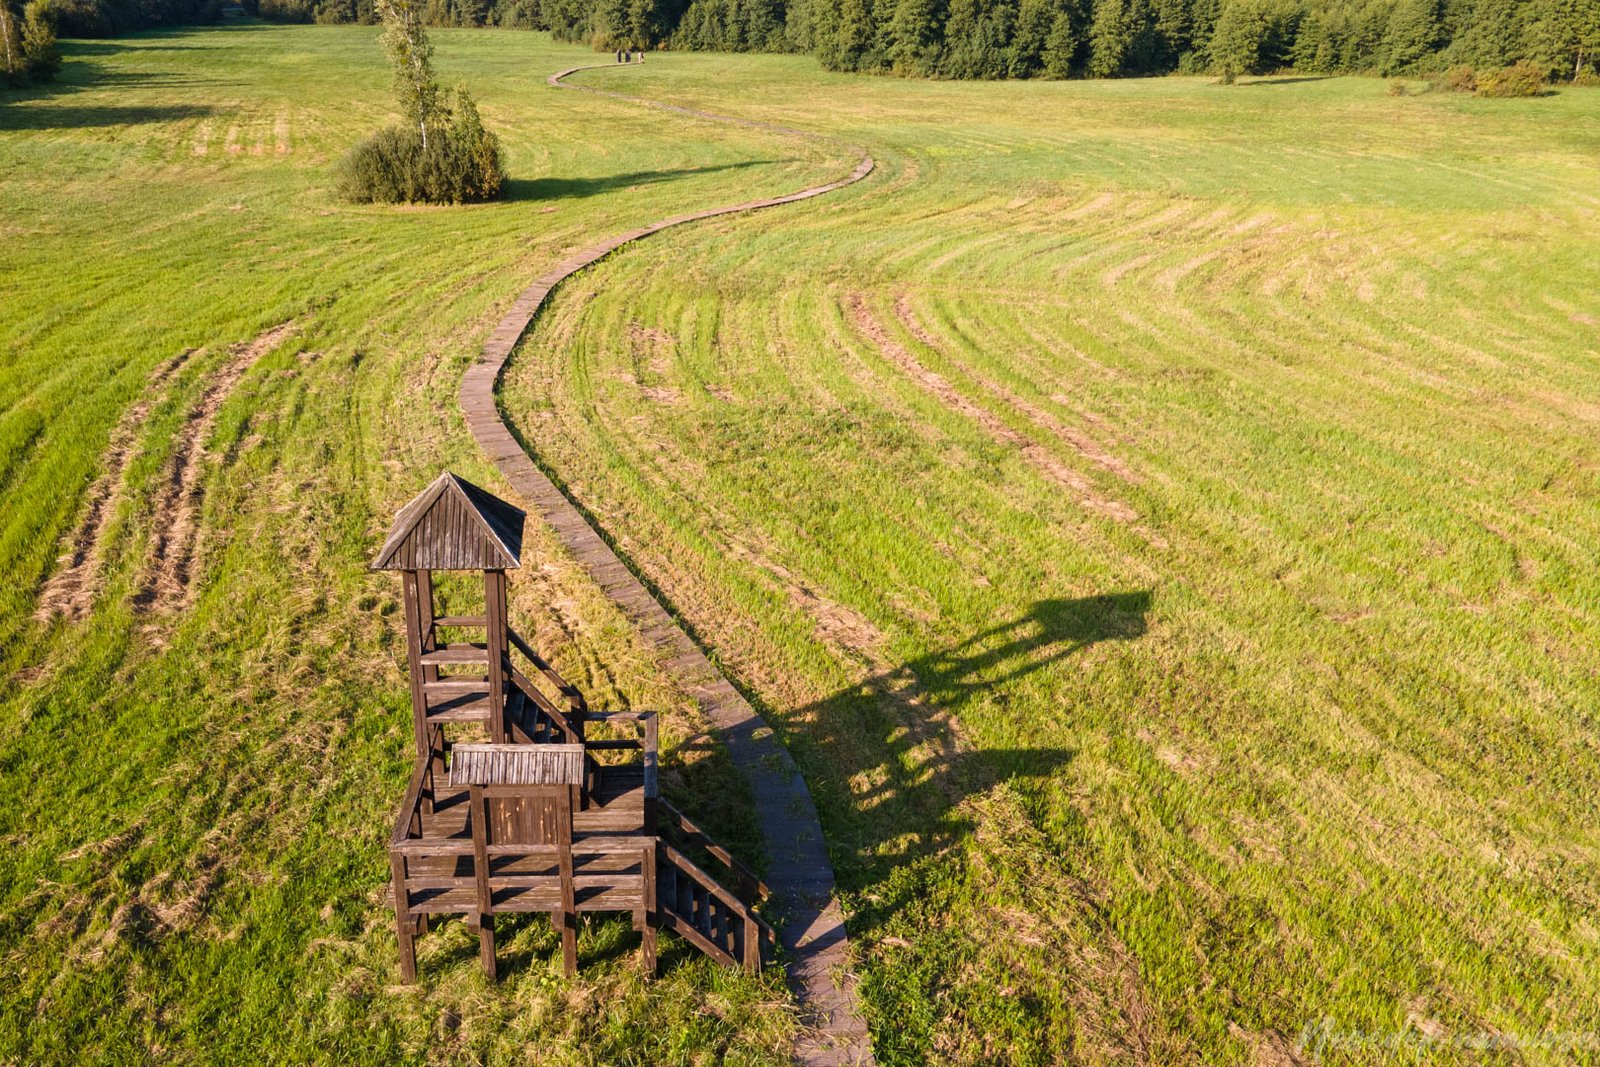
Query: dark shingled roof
[(516, 765), (453, 526)]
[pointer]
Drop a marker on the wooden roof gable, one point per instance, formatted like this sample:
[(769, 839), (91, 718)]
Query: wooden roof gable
[(453, 526)]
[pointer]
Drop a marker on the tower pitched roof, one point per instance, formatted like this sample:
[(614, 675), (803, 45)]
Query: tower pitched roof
[(453, 526)]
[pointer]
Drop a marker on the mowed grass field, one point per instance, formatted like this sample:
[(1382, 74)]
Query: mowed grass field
[(217, 383), (1161, 519), (1158, 516)]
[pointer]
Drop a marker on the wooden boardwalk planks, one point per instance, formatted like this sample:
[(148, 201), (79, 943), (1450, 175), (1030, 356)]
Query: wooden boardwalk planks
[(801, 875)]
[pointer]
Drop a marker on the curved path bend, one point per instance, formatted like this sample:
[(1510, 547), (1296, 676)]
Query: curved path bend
[(800, 873)]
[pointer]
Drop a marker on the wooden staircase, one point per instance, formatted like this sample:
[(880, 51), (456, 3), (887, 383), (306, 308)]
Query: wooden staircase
[(512, 806), (720, 922), (695, 907)]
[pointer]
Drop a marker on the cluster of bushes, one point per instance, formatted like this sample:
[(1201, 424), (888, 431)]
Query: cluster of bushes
[(27, 44), (454, 160), (1518, 79)]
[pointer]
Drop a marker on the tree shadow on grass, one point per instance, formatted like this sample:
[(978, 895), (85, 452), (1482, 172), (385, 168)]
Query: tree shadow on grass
[(1292, 81), (67, 117), (577, 188), (882, 757), (888, 751)]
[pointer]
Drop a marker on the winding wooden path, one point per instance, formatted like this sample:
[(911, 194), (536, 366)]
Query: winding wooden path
[(800, 873)]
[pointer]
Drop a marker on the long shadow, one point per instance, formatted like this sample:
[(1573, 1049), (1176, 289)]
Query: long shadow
[(575, 188), (886, 751), (83, 70), (1292, 81), (67, 117)]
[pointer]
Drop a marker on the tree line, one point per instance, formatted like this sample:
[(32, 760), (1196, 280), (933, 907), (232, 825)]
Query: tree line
[(1112, 38), (981, 38), (106, 18), (1057, 38)]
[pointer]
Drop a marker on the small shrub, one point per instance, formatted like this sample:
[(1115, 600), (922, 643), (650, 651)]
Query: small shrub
[(1587, 78), (1519, 79), (1397, 87), (460, 163), (1458, 79)]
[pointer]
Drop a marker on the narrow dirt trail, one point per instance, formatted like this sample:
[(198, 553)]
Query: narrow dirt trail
[(801, 875)]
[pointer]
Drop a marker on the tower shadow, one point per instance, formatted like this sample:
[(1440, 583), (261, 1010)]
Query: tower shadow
[(886, 757)]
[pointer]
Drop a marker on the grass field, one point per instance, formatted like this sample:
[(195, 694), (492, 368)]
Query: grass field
[(201, 769), (1159, 517)]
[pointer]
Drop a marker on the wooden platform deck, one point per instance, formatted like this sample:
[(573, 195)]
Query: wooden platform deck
[(616, 807)]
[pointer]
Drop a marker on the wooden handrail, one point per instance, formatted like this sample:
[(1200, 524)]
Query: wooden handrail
[(542, 703), (757, 888), (712, 886), (411, 806), (422, 847), (648, 742)]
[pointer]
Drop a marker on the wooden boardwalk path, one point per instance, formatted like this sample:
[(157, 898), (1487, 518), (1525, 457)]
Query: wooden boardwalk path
[(800, 874)]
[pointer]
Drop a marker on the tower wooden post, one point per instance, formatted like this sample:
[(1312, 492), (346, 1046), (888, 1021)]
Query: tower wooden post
[(455, 526)]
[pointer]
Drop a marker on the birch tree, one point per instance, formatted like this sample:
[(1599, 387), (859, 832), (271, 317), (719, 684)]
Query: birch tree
[(410, 53)]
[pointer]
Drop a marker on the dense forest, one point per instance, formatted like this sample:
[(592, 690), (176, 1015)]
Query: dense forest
[(106, 18), (1058, 38), (996, 38)]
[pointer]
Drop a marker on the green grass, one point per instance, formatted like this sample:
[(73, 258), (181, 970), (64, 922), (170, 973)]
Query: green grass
[(1161, 518), (197, 800), (1158, 516)]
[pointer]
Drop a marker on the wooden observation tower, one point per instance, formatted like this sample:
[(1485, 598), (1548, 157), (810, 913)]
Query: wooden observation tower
[(511, 807)]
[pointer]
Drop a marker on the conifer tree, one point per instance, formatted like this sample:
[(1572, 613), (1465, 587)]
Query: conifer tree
[(1236, 44), (1110, 37), (915, 30), (1060, 46), (39, 43), (1412, 34), (1034, 21)]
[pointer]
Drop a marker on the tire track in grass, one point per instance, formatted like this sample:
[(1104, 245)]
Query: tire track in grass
[(166, 582), (800, 874), (72, 590)]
